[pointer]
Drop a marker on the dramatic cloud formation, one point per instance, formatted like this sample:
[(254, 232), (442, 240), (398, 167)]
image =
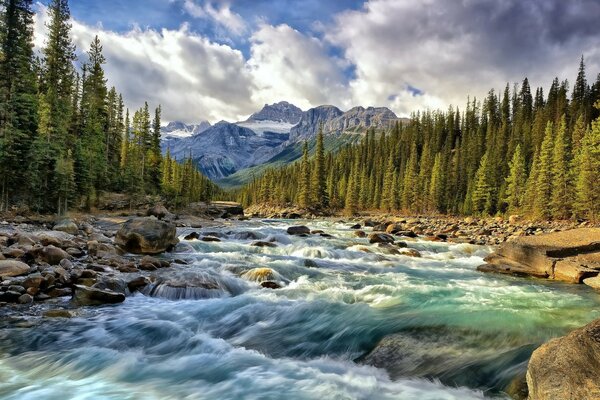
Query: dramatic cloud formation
[(445, 48), (286, 64), (226, 59)]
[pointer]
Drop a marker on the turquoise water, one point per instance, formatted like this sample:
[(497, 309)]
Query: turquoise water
[(457, 333)]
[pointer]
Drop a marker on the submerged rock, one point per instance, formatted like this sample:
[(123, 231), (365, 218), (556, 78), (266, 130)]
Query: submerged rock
[(380, 238), (194, 285), (87, 296), (263, 244), (457, 357), (567, 368), (298, 230), (569, 256), (146, 236)]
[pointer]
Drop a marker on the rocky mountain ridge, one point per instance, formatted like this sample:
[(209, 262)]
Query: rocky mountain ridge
[(224, 148)]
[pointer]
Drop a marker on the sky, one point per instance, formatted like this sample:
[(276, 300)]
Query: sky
[(223, 60)]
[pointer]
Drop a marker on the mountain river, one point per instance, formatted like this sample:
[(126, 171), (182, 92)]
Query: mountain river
[(446, 330)]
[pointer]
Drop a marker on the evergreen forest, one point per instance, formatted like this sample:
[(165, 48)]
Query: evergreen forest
[(65, 136), (515, 152)]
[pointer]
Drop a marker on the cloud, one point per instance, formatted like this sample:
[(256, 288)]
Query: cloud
[(402, 54), (192, 77), (449, 49), (286, 64), (220, 14)]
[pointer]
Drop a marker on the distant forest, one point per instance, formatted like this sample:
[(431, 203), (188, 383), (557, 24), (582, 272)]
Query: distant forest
[(65, 137), (515, 153)]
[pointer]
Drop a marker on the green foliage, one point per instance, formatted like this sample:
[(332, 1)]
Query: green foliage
[(516, 181), (588, 173), (71, 128)]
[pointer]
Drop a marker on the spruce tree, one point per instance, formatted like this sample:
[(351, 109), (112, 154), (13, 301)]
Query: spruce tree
[(351, 204), (318, 176), (516, 181), (482, 190), (388, 197), (18, 96), (588, 173), (436, 185), (304, 189), (154, 170), (562, 191), (543, 184)]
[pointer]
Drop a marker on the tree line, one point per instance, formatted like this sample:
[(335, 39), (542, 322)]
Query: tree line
[(514, 152), (65, 137)]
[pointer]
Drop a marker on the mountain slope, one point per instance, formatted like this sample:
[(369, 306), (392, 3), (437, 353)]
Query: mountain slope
[(222, 149)]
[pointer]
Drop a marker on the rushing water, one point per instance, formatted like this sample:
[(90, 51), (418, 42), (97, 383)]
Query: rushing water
[(451, 332)]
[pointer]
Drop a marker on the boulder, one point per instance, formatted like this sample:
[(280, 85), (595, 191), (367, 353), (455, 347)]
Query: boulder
[(53, 255), (146, 236), (567, 368), (59, 314), (138, 283), (10, 268), (210, 239), (393, 228), (263, 244), (411, 253), (25, 299), (159, 211), (298, 230), (569, 256), (87, 296), (116, 285), (192, 236), (360, 234), (67, 226), (380, 238)]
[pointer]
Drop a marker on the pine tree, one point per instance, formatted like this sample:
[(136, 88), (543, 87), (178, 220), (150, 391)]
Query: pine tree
[(318, 178), (409, 192), (388, 197), (482, 189), (351, 204), (436, 185), (18, 96), (543, 185), (304, 189), (588, 173), (154, 170), (516, 181), (562, 193)]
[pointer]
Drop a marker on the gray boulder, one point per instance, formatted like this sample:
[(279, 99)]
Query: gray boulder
[(146, 236), (567, 368), (10, 268), (88, 296)]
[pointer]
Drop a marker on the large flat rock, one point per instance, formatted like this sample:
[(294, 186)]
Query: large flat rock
[(567, 368), (569, 256)]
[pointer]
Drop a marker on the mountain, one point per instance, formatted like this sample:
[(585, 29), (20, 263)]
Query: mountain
[(179, 129), (223, 148), (269, 137), (279, 112), (308, 125), (357, 119)]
